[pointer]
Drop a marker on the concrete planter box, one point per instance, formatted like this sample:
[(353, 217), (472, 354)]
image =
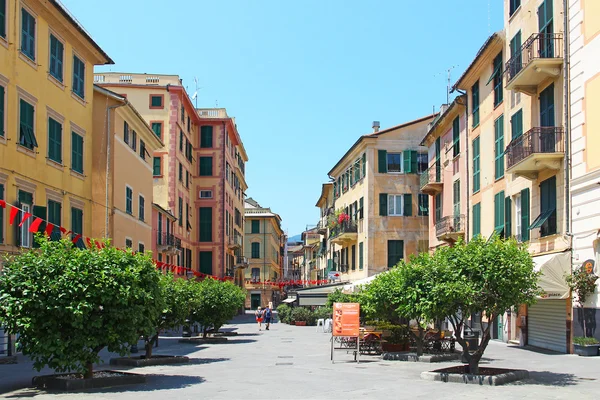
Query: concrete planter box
[(101, 379), (425, 358), (589, 350), (224, 334), (207, 340), (141, 361), (300, 323), (500, 376)]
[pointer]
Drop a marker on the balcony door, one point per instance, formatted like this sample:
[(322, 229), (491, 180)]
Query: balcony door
[(547, 136), (438, 162), (546, 25)]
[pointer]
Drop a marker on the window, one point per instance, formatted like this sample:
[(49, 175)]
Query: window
[(205, 224), (188, 123), (456, 197), (182, 114), (364, 164), (187, 217), (353, 263), (54, 212), (394, 162), (438, 207), (157, 166), (76, 152), (255, 250), (141, 247), (546, 29), (126, 137), (516, 56), (26, 201), (255, 226), (476, 219), (206, 166), (547, 219), (256, 276), (129, 243), (475, 105), (1, 208), (422, 162), (395, 203), (78, 77), (180, 140), (516, 124), (513, 6), (27, 34), (128, 200), (156, 101), (2, 94), (395, 252), (497, 76), (133, 143), (423, 205), (455, 137), (361, 213), (3, 20), (476, 166), (54, 140), (206, 136), (361, 264), (205, 259), (187, 179), (56, 57), (26, 126), (206, 194), (507, 217), (525, 215), (180, 212), (143, 151), (518, 218), (142, 208), (157, 129), (77, 224), (499, 147), (180, 172), (499, 213)]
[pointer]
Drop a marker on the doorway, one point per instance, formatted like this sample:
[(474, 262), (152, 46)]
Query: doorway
[(254, 300)]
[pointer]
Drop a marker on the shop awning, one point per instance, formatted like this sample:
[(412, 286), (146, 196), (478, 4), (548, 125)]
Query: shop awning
[(554, 268), (289, 300), (539, 221), (354, 286)]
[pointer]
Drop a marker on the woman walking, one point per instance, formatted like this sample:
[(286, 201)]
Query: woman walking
[(259, 317)]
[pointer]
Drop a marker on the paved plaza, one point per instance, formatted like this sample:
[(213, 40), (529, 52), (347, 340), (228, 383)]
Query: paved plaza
[(289, 362)]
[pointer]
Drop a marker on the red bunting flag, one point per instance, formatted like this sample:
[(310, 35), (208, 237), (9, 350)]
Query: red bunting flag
[(13, 214), (49, 229), (35, 225), (76, 239), (89, 242), (2, 203), (64, 230), (25, 218)]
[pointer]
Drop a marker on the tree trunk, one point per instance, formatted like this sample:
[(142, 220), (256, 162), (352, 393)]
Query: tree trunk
[(204, 332), (420, 340), (474, 364), (89, 371), (149, 342)]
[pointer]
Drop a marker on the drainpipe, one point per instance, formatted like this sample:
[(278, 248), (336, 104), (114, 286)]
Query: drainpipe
[(567, 122), (108, 140), (468, 198), (224, 256)]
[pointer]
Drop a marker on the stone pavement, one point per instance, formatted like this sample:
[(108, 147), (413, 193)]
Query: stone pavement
[(289, 362)]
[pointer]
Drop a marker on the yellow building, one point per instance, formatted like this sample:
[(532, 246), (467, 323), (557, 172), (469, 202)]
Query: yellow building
[(376, 185), (46, 118), (263, 244), (324, 261), (122, 193)]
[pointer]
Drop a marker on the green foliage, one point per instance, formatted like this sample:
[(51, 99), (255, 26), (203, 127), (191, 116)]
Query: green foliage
[(322, 313), (583, 284), (66, 304), (216, 303), (283, 312), (398, 334), (303, 314), (337, 296), (585, 341)]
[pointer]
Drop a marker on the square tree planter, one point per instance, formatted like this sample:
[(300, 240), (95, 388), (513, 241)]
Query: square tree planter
[(74, 382), (589, 350), (142, 361)]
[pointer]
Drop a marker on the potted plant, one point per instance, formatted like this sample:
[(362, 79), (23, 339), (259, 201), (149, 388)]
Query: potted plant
[(395, 337), (586, 346), (302, 316)]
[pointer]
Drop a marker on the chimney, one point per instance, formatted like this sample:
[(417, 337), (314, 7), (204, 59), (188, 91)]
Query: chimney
[(375, 126)]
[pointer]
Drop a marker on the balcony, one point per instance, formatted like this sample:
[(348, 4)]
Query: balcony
[(241, 261), (431, 180), (538, 149), (345, 232), (167, 243), (212, 113), (541, 57), (322, 227), (234, 242), (312, 238), (450, 228)]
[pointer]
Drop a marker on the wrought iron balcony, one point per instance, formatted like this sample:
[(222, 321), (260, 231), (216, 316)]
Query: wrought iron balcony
[(167, 242), (540, 57), (539, 149), (241, 261), (344, 232), (234, 242), (431, 180), (322, 227), (450, 228)]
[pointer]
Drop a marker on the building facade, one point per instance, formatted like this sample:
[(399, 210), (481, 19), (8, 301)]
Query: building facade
[(165, 106), (584, 61), (379, 217), (122, 191), (324, 258), (46, 119), (263, 248), (165, 245)]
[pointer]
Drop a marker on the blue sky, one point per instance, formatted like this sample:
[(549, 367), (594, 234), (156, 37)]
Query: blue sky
[(304, 79)]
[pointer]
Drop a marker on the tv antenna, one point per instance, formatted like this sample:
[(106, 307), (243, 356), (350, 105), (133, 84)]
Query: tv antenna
[(448, 82)]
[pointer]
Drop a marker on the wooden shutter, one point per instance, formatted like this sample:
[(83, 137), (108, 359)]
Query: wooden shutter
[(476, 219), (382, 161), (364, 164), (507, 217), (361, 210), (408, 205), (39, 212), (205, 224), (360, 256), (414, 159), (1, 210), (525, 211), (407, 161), (383, 204), (17, 229)]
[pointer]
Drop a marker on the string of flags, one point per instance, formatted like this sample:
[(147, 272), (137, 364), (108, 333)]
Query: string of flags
[(287, 283), (78, 239)]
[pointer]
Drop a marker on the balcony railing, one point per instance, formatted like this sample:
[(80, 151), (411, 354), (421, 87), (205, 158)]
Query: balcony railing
[(541, 140), (234, 242), (431, 179), (543, 52), (450, 227), (167, 239), (344, 227), (241, 260)]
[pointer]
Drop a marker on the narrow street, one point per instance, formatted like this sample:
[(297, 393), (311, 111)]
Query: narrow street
[(290, 362)]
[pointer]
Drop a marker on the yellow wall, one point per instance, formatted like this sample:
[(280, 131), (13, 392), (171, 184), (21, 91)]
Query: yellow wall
[(592, 123), (591, 22), (31, 81)]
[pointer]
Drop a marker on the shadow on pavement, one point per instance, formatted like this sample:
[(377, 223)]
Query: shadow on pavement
[(238, 341), (154, 382), (547, 378), (196, 361)]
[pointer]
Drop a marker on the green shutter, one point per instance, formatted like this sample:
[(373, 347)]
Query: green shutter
[(157, 129), (476, 219), (25, 197), (360, 256), (476, 166), (54, 140), (364, 164), (499, 147), (361, 210), (516, 123), (41, 212), (3, 18), (499, 212), (407, 161), (205, 224), (507, 217), (455, 137), (255, 250), (205, 259), (255, 226), (414, 165), (2, 134), (2, 214), (383, 204), (156, 166), (408, 205), (525, 211), (382, 161)]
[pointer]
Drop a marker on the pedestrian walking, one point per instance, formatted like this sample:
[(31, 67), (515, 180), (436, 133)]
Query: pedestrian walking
[(259, 317), (268, 315)]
